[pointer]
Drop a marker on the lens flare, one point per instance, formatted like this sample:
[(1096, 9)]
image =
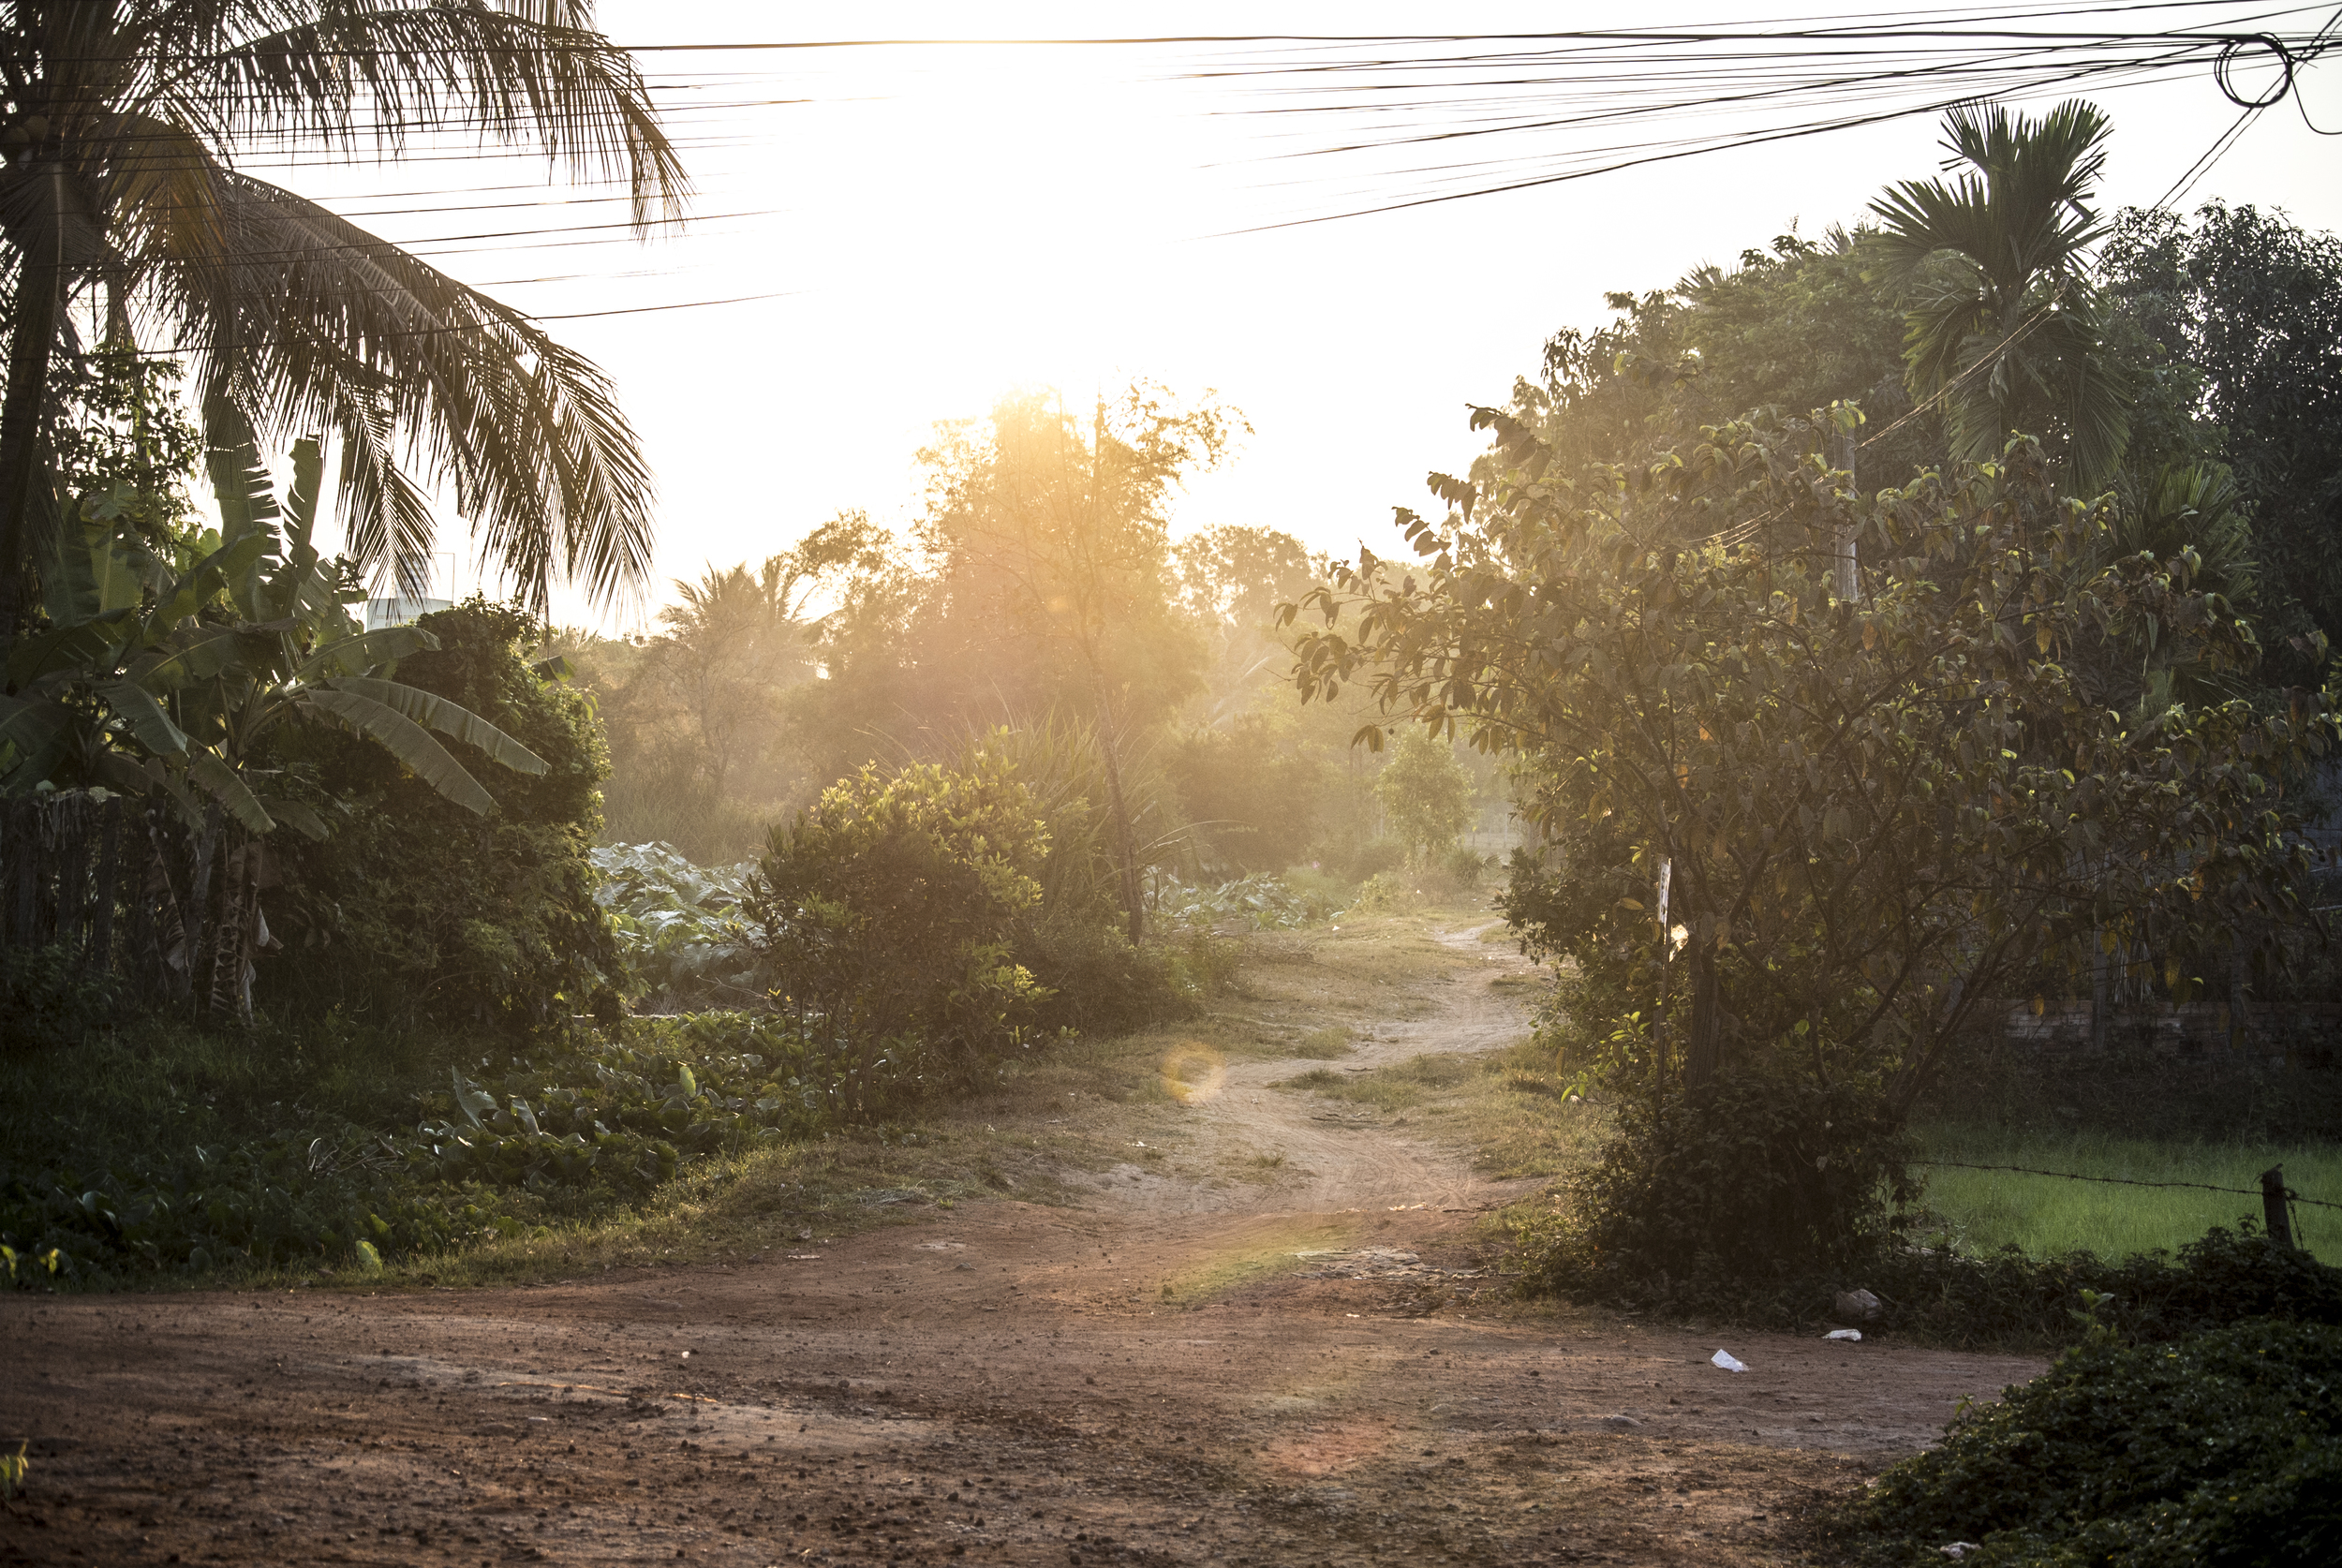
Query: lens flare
[(1193, 1073)]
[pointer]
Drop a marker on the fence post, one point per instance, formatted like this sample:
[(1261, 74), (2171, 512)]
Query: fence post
[(2273, 1217)]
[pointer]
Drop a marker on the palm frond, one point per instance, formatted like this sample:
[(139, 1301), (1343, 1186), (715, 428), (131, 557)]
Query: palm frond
[(404, 739), (382, 70), (449, 718), (314, 321)]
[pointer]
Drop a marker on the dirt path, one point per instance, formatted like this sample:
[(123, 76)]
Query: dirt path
[(1186, 1370)]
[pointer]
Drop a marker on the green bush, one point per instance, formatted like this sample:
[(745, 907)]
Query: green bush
[(2222, 1448), (886, 915), (1368, 857), (2008, 1296), (50, 999), (173, 1150), (1751, 1196), (1093, 981), (1387, 893), (417, 912)]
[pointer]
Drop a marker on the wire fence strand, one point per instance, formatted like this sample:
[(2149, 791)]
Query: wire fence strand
[(2291, 1195)]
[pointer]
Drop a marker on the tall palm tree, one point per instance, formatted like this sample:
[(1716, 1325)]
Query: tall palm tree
[(2003, 321), (121, 123)]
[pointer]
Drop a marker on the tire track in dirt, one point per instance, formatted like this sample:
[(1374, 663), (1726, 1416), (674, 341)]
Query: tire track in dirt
[(1357, 1165)]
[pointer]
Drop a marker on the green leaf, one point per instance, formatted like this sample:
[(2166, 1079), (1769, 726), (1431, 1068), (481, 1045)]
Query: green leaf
[(234, 562), (368, 650), (220, 781), (298, 817), (449, 718), (149, 725), (403, 738)]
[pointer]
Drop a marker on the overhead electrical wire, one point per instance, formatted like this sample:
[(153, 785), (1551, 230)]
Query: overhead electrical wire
[(1713, 87)]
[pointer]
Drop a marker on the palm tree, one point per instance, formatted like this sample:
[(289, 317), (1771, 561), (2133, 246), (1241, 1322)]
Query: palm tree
[(119, 129), (2003, 321)]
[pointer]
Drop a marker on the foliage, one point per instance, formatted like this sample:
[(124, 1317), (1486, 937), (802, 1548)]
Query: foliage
[(213, 1153), (885, 914), (702, 717), (2004, 323), (415, 909), (629, 1115), (1861, 818), (678, 925), (50, 999), (1712, 1202), (1426, 795), (293, 319), (177, 681), (1262, 903), (2246, 308), (1253, 802), (1045, 594), (1792, 327), (2222, 1448)]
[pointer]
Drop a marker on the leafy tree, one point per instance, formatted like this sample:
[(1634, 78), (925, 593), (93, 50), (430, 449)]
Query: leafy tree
[(417, 908), (1790, 329), (176, 684), (1046, 591), (2004, 322), (2246, 310), (121, 124), (1256, 799), (1833, 829), (1426, 794)]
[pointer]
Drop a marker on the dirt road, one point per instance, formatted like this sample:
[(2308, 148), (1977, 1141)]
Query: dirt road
[(1180, 1370)]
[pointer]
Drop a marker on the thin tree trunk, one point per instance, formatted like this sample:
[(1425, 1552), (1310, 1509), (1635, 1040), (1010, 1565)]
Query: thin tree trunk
[(1700, 1047), (39, 283)]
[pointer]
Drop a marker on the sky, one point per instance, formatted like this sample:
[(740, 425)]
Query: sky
[(914, 230)]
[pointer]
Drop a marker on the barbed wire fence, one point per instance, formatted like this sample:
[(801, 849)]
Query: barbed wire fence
[(2277, 1200)]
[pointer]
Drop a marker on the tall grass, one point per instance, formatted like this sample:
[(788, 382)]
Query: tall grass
[(2045, 1217)]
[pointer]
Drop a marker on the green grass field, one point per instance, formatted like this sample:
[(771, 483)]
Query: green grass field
[(2045, 1216)]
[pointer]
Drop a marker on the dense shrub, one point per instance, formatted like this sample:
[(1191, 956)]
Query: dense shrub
[(2006, 1295), (1364, 858), (1753, 1195), (415, 911), (2222, 1448), (886, 915), (212, 1152), (49, 998)]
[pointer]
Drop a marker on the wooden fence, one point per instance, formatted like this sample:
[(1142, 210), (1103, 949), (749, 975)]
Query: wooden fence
[(89, 874)]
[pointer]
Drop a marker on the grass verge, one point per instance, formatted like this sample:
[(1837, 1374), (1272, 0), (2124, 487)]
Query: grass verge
[(2045, 1217)]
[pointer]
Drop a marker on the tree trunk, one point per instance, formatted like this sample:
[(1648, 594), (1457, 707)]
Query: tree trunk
[(1126, 847), (39, 283), (1702, 1040)]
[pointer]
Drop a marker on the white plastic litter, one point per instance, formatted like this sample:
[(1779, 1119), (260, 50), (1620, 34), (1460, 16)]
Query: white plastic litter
[(1849, 1333), (1729, 1362), (1959, 1549)]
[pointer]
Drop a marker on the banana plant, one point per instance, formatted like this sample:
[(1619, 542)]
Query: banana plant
[(166, 683)]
